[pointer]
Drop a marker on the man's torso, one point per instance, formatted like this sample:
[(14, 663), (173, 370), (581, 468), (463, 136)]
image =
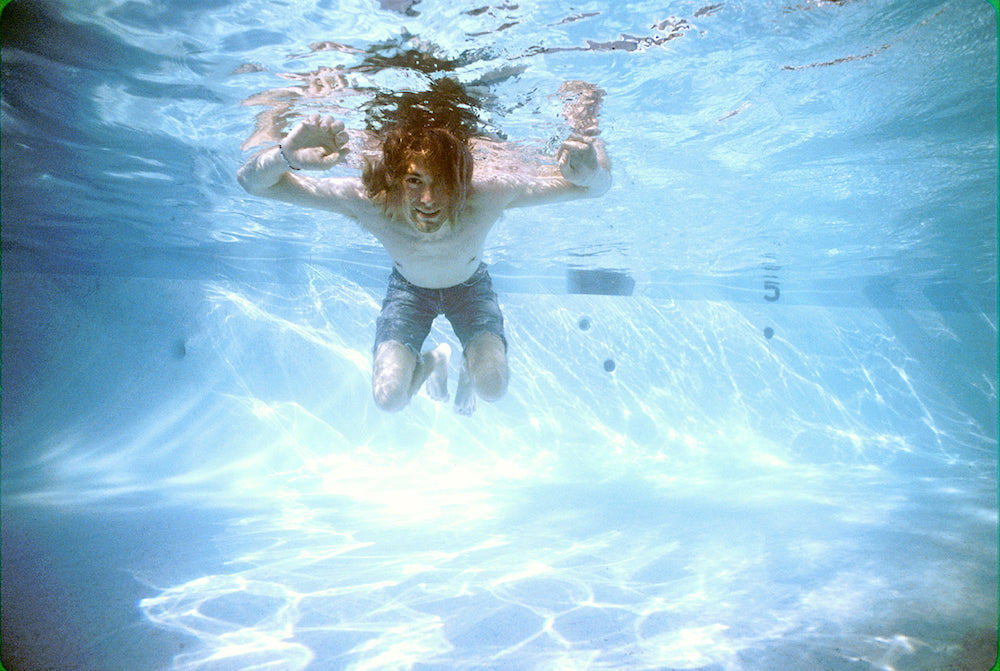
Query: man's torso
[(445, 258)]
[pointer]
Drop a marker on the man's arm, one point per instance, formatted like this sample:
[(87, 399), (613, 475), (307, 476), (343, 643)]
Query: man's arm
[(584, 168), (318, 143), (584, 172)]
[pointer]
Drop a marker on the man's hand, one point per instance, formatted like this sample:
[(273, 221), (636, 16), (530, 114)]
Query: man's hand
[(582, 159), (318, 143)]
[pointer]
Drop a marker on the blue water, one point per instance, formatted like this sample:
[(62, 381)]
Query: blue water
[(790, 465)]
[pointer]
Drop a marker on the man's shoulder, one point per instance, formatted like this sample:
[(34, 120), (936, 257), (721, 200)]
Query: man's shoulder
[(347, 193), (484, 207), (493, 193)]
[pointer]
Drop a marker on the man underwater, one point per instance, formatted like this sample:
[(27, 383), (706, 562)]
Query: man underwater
[(431, 211)]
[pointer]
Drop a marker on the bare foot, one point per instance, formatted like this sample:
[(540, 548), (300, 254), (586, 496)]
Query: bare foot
[(437, 381), (465, 395)]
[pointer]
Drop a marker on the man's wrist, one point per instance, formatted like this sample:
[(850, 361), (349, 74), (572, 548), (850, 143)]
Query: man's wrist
[(284, 156)]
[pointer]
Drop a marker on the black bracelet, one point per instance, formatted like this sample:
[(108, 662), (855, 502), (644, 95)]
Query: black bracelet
[(282, 152)]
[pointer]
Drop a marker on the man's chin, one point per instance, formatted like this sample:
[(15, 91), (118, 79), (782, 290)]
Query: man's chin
[(428, 225)]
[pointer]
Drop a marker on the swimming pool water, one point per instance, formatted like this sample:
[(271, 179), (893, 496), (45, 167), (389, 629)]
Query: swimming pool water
[(752, 417)]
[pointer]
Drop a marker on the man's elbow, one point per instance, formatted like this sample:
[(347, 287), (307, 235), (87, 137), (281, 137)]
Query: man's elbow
[(249, 185), (606, 183), (601, 182), (600, 185)]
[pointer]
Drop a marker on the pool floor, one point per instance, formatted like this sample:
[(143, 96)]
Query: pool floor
[(195, 477)]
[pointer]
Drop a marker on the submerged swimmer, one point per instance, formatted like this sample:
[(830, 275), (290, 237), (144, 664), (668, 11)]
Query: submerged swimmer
[(431, 211)]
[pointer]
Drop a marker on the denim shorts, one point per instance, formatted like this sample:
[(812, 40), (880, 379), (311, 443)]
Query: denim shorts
[(408, 311)]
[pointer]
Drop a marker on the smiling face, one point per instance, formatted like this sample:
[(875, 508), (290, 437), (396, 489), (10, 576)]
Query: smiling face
[(424, 177), (426, 201)]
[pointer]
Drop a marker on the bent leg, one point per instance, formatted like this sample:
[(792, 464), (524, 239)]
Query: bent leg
[(486, 363), (392, 375), (465, 397), (436, 364), (397, 374)]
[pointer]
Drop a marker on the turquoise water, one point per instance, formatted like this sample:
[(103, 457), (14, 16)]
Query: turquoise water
[(791, 465)]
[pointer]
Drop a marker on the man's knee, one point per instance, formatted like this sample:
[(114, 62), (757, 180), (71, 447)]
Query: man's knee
[(390, 398), (392, 376), (486, 359), (490, 384)]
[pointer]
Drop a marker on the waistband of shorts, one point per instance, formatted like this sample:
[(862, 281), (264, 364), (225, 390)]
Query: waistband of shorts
[(479, 272)]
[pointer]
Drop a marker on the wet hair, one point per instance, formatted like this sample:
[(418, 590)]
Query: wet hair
[(433, 126), (446, 156), (445, 104)]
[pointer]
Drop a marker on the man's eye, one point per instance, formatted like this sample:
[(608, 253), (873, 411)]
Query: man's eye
[(413, 180)]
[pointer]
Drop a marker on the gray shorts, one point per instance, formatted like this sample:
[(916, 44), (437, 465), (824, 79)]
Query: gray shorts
[(408, 311)]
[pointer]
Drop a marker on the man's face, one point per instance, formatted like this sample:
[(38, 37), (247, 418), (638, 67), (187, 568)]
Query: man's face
[(425, 202)]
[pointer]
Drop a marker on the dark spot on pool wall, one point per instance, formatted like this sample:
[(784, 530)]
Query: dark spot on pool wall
[(768, 332), (584, 323), (609, 365), (599, 281), (179, 349)]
